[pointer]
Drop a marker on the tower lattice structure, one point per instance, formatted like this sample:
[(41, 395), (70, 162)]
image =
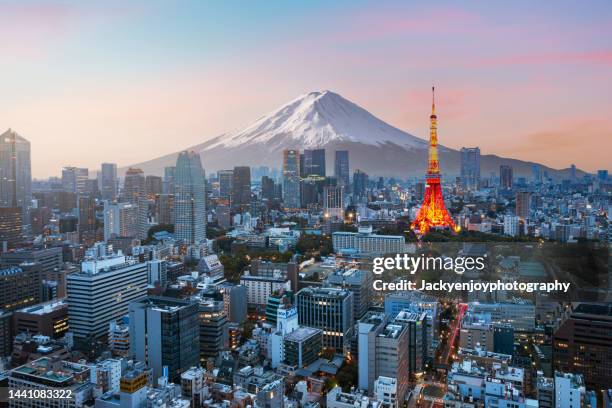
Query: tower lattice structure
[(433, 212)]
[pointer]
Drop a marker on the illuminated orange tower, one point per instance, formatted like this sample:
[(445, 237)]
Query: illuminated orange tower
[(433, 212)]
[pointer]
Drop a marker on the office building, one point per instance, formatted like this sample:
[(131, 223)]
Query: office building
[(259, 288), (416, 326), (226, 179), (512, 225), (333, 202), (314, 162), (383, 351), (108, 182), (164, 209), (582, 344), (106, 375), (523, 204), (48, 319), (359, 282), (302, 346), (101, 293), (74, 179), (87, 214), (213, 329), (153, 186), (341, 168), (518, 313), (268, 188), (189, 199), (133, 185), (50, 259), (364, 241), (385, 391), (120, 220), (328, 309), (164, 332), (15, 176), (505, 177), (291, 178), (360, 184), (241, 189), (11, 227), (470, 167), (168, 181), (119, 337), (20, 286)]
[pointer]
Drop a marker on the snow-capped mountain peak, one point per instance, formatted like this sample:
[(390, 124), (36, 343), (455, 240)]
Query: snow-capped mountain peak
[(316, 119)]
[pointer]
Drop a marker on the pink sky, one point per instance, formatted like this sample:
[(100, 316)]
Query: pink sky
[(91, 83)]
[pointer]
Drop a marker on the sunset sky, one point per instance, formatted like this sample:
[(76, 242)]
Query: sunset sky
[(92, 82)]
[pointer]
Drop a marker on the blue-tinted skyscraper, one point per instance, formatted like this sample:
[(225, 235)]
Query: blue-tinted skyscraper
[(15, 173), (470, 167), (291, 178), (341, 168), (189, 199)]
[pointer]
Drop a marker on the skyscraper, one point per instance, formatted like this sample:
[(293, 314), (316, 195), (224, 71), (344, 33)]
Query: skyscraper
[(523, 204), (164, 332), (107, 181), (341, 167), (314, 162), (120, 220), (241, 189), (15, 173), (225, 183), (505, 177), (333, 202), (291, 178), (360, 183), (87, 214), (74, 179), (153, 186), (168, 183), (189, 198), (470, 167), (133, 185)]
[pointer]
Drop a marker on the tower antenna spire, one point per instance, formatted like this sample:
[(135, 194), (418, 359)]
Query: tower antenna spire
[(433, 100)]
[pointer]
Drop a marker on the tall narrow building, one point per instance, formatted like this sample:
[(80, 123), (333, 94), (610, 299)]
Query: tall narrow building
[(189, 198), (226, 178), (291, 178), (74, 179), (505, 177), (470, 167), (15, 172), (241, 189), (341, 168), (133, 185), (107, 181)]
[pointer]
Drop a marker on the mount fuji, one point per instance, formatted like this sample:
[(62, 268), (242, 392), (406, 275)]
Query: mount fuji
[(327, 120)]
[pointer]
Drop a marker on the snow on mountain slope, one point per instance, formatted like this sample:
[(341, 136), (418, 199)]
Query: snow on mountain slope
[(317, 119)]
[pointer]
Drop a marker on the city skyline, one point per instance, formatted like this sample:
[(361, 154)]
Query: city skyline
[(154, 79)]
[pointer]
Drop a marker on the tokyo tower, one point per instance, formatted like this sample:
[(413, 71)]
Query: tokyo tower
[(433, 212)]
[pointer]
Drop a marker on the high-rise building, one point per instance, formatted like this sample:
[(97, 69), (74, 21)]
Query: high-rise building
[(470, 167), (87, 214), (164, 332), (20, 286), (582, 344), (314, 162), (267, 188), (383, 351), (120, 220), (523, 204), (153, 186), (101, 292), (602, 175), (168, 183), (341, 168), (241, 189), (505, 177), (302, 346), (11, 227), (333, 202), (164, 208), (291, 178), (226, 177), (328, 309), (213, 322), (360, 184), (108, 182), (74, 179), (358, 281), (416, 326), (189, 199), (15, 173), (133, 185)]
